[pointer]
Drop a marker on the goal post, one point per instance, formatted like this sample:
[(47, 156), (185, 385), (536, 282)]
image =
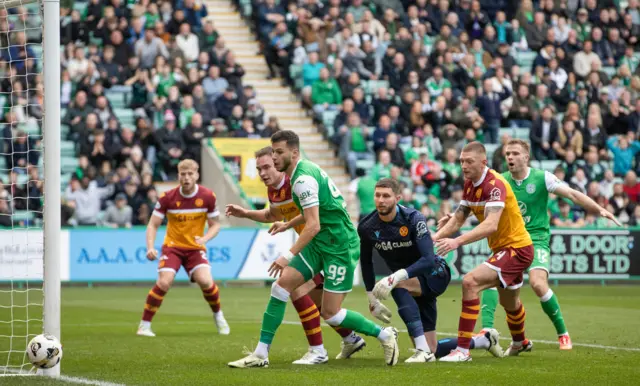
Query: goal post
[(51, 149), (30, 231)]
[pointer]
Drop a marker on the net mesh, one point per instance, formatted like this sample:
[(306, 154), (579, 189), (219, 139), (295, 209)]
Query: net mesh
[(21, 187)]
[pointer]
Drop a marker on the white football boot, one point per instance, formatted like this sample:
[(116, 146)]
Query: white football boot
[(145, 330), (456, 356), (420, 356), (313, 357), (221, 324), (251, 360), (494, 343), (390, 347), (348, 349)]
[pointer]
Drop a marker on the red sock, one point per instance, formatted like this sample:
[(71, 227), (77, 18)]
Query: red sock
[(468, 317), (154, 300), (212, 296), (515, 320), (343, 332), (310, 318)]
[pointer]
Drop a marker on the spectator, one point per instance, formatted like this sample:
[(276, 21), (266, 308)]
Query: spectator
[(623, 153), (595, 136), (171, 144), (382, 168), (87, 197), (583, 60), (226, 103), (325, 93), (188, 43), (488, 105), (568, 139), (233, 72), (120, 214), (362, 189), (544, 136), (353, 144), (213, 84), (566, 218)]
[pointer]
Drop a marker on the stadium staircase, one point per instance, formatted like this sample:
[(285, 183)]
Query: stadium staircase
[(276, 100)]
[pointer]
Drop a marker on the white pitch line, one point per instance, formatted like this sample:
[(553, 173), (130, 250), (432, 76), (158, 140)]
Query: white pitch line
[(65, 378), (288, 322)]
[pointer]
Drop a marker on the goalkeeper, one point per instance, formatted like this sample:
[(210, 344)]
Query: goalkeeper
[(402, 238)]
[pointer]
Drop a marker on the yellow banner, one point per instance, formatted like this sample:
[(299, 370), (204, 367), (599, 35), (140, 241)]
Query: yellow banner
[(239, 155)]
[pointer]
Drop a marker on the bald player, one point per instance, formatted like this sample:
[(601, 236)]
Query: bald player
[(490, 198)]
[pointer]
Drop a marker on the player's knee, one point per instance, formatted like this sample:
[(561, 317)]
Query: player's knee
[(539, 285), (334, 317), (510, 303), (279, 292), (164, 284), (469, 283)]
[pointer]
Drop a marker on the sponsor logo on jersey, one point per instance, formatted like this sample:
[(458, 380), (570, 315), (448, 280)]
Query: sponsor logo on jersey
[(531, 188), (305, 195), (421, 229), (199, 202), (391, 245), (523, 207), (404, 231), (494, 195)]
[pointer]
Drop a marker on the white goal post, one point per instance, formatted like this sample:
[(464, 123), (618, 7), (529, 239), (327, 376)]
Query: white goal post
[(14, 298)]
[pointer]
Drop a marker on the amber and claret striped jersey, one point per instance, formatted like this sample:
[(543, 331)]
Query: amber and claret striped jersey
[(281, 198), (494, 190), (186, 215)]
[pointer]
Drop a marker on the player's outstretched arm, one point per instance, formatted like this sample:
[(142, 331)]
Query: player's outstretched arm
[(267, 215), (484, 229), (455, 222), (152, 229), (279, 227), (586, 202)]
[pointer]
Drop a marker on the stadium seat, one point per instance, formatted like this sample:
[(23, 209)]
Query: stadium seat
[(365, 164), (22, 215), (67, 148), (328, 117), (118, 100), (549, 165), (610, 71), (126, 116), (68, 164)]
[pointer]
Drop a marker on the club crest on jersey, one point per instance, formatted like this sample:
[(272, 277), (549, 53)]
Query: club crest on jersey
[(531, 188), (282, 193), (478, 193), (199, 202), (404, 231)]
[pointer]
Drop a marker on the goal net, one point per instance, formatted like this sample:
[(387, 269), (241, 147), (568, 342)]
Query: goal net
[(22, 182)]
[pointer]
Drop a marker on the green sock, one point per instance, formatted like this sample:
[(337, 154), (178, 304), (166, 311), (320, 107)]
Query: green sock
[(355, 321), (488, 307), (272, 319), (551, 307)]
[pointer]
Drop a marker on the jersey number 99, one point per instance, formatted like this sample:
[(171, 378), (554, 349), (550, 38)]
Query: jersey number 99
[(336, 274)]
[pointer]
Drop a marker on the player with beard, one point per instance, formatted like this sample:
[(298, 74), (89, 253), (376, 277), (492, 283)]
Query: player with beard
[(402, 238), (307, 299), (329, 242)]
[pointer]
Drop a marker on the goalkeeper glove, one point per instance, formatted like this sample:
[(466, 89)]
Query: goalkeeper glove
[(384, 286), (378, 310)]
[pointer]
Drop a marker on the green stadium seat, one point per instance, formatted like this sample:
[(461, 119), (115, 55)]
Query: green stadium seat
[(365, 164), (22, 215), (22, 179), (521, 133), (295, 71), (125, 116), (65, 178), (118, 100), (525, 59), (64, 130), (31, 128), (549, 165), (610, 71), (371, 87), (328, 117), (37, 50), (68, 164), (67, 148)]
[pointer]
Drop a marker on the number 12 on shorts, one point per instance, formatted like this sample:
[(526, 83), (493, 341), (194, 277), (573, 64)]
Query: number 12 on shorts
[(336, 274)]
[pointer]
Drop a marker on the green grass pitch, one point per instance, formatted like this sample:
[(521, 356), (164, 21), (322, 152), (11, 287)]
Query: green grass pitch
[(99, 325)]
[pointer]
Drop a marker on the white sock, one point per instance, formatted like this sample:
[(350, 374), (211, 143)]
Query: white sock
[(545, 298), (145, 324), (318, 348), (463, 350), (421, 343), (218, 315), (384, 335), (351, 338), (481, 342), (262, 350), (516, 344)]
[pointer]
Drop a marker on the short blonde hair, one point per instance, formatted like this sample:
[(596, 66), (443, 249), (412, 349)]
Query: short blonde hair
[(525, 145), (188, 164)]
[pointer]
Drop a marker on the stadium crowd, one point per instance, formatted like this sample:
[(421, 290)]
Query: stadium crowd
[(142, 84), (398, 87), (401, 86)]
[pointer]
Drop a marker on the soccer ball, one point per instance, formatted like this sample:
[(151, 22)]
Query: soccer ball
[(44, 351)]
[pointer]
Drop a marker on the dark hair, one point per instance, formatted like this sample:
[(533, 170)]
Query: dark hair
[(291, 138), (390, 183), (268, 150)]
